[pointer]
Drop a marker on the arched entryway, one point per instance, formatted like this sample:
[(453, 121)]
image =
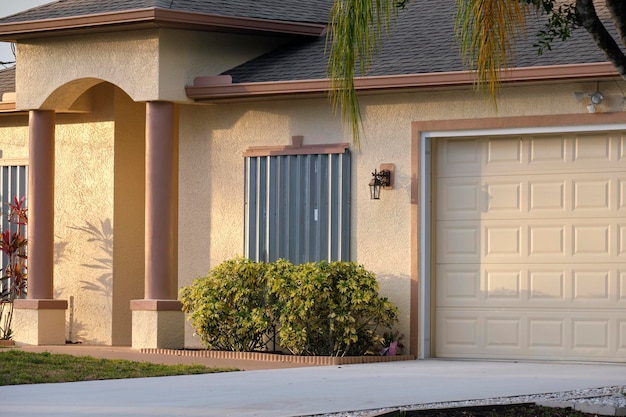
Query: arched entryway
[(93, 140)]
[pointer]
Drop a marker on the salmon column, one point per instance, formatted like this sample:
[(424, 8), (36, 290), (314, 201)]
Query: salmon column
[(158, 321), (40, 319)]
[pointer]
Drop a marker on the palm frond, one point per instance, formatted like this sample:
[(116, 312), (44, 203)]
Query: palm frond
[(356, 30), (486, 31)]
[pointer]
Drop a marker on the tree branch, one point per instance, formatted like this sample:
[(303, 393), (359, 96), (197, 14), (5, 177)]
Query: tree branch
[(617, 8), (586, 13)]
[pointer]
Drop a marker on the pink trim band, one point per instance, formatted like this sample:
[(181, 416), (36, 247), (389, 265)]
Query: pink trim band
[(296, 150), (29, 304), (156, 305), (223, 91)]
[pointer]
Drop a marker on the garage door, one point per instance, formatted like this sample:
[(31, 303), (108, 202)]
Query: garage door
[(531, 247)]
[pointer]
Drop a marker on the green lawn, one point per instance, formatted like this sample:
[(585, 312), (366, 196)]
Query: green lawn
[(18, 367)]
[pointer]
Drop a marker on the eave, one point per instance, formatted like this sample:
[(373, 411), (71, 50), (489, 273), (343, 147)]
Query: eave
[(8, 107), (221, 88), (152, 18)]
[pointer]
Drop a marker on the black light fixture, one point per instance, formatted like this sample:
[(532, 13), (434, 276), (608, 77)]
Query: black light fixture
[(380, 179)]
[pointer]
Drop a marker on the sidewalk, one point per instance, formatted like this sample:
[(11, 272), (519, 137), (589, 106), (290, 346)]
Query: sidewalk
[(301, 391)]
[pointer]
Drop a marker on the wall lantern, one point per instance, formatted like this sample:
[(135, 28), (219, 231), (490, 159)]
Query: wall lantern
[(382, 178)]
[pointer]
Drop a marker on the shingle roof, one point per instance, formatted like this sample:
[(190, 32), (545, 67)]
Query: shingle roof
[(422, 41), (7, 80), (308, 11)]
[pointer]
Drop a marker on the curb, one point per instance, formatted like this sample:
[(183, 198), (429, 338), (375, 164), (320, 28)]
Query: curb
[(273, 357), (598, 410), (602, 410)]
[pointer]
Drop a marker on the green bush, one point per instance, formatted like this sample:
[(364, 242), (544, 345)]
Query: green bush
[(330, 309), (319, 308), (230, 308)]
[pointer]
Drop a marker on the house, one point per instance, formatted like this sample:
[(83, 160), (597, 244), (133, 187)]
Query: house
[(164, 137)]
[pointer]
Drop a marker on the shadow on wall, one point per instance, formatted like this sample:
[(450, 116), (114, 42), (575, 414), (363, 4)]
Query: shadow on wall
[(102, 237)]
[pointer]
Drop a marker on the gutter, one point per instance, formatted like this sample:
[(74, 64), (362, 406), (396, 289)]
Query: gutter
[(220, 88)]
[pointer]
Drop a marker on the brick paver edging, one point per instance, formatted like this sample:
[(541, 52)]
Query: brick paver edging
[(272, 357)]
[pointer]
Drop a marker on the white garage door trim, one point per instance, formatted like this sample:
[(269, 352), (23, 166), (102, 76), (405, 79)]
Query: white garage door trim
[(425, 138)]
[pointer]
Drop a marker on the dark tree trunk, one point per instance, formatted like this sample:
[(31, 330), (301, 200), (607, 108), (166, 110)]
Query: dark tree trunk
[(617, 8), (586, 13)]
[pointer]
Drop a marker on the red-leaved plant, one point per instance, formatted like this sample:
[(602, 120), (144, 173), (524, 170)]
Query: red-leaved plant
[(13, 244)]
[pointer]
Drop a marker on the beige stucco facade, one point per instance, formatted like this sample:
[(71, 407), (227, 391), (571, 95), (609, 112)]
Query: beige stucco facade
[(106, 80), (213, 137)]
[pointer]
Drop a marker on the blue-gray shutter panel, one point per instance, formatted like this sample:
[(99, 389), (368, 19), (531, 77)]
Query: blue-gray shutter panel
[(297, 207)]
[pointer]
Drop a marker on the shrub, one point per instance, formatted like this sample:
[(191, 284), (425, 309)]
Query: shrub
[(230, 307), (319, 308), (329, 308), (13, 278)]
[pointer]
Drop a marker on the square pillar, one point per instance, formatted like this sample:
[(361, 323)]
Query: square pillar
[(158, 324), (39, 322)]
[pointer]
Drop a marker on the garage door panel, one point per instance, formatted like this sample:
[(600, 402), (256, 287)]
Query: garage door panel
[(503, 241), (590, 334), (503, 332), (531, 247), (546, 334), (460, 331), (574, 286), (460, 285), (534, 241), (459, 242), (547, 240), (548, 150), (463, 156), (595, 147), (461, 198), (505, 154), (539, 154), (591, 194), (546, 196), (578, 196)]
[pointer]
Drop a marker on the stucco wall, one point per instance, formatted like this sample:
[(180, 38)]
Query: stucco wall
[(211, 175), (185, 55), (84, 220), (147, 65), (128, 239), (129, 60), (14, 139)]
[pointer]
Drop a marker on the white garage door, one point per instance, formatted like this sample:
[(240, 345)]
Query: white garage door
[(531, 247)]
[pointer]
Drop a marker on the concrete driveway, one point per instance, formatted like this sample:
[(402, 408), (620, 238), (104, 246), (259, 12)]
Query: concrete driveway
[(305, 391)]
